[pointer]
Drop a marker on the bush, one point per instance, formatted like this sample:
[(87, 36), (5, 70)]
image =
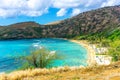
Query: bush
[(40, 59), (114, 50)]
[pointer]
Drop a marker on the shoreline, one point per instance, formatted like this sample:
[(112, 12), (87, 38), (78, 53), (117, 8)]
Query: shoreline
[(90, 52)]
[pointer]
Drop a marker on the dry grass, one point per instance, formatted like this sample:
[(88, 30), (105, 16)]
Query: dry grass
[(111, 72)]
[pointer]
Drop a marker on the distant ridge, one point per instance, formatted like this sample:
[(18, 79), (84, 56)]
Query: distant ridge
[(24, 24), (53, 23), (100, 21)]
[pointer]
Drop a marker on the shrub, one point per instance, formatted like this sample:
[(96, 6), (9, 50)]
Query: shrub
[(114, 50), (39, 59)]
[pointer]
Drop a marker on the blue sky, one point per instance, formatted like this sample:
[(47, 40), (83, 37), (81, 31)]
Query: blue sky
[(45, 11)]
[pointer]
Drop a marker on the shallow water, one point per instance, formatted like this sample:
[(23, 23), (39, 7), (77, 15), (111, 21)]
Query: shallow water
[(74, 54)]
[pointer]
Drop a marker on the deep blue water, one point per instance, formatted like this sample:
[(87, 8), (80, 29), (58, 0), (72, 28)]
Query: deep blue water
[(74, 54)]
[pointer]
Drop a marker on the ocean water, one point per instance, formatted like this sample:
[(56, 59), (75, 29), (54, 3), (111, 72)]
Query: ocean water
[(74, 54)]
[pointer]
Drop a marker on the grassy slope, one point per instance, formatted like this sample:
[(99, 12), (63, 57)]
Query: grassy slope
[(110, 72)]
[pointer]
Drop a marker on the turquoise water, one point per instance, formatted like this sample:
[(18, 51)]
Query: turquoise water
[(74, 54)]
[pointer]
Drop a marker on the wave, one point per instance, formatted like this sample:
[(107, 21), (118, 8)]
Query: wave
[(37, 45), (52, 53)]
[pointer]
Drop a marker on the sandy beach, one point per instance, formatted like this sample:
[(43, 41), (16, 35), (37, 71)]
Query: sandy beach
[(90, 51)]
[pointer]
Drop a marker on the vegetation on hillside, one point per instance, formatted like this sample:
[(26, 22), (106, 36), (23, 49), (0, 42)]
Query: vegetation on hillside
[(111, 40), (93, 22), (114, 50)]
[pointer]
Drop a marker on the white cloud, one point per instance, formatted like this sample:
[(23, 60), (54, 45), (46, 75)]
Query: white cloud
[(32, 13), (67, 3), (33, 8), (7, 13), (9, 8), (93, 3), (110, 3), (75, 11), (61, 12), (12, 4), (75, 4)]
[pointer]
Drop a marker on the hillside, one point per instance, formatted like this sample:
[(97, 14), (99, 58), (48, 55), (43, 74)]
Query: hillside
[(20, 31), (101, 21), (92, 22)]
